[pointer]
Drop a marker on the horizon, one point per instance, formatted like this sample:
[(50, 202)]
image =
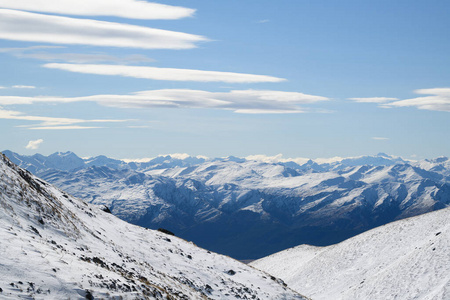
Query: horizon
[(316, 79), (279, 158)]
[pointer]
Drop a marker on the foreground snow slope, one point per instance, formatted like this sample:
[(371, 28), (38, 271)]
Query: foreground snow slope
[(408, 259), (54, 246)]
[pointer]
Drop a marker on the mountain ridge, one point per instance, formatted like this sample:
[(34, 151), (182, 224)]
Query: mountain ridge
[(249, 209)]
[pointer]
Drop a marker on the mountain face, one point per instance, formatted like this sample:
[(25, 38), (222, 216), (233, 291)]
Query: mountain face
[(55, 246), (407, 259), (249, 209)]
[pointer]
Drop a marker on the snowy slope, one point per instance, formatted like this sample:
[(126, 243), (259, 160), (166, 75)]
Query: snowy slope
[(54, 246), (407, 259)]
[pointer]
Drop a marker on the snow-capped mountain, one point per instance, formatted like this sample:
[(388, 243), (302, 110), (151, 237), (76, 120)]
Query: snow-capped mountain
[(54, 246), (249, 209), (407, 259)]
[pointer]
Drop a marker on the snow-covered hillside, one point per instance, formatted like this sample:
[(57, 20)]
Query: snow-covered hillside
[(54, 246), (407, 259), (249, 208)]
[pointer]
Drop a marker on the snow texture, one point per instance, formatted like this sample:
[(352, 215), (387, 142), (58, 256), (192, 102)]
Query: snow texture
[(54, 246), (407, 259)]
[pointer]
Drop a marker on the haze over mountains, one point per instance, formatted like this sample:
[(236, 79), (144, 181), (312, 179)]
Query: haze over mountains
[(248, 208), (55, 246)]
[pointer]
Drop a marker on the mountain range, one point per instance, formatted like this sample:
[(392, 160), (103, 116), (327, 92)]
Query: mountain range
[(55, 246), (248, 209)]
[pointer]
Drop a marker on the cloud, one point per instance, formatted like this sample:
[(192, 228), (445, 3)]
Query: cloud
[(240, 101), (23, 87), (31, 48), (133, 9), (439, 100), (63, 127), (50, 122), (377, 138), (373, 99), (2, 87), (31, 27), (263, 21), (86, 58), (139, 126), (163, 73), (276, 159), (35, 52), (33, 145)]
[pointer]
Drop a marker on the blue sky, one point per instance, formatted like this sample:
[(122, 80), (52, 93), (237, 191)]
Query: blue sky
[(302, 78)]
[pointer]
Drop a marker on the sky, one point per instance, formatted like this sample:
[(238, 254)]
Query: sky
[(135, 79)]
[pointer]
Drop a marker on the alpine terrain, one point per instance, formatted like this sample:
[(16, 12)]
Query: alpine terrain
[(250, 208), (54, 246), (407, 259)]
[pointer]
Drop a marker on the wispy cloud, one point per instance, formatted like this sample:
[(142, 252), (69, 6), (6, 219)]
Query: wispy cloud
[(29, 87), (33, 145), (276, 159), (439, 100), (63, 127), (31, 27), (164, 73), (23, 87), (36, 52), (263, 21), (139, 126), (133, 9), (377, 138), (50, 122), (373, 99), (88, 58), (31, 48), (240, 101)]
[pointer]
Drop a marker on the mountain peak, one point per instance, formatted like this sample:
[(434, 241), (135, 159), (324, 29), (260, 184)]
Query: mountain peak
[(382, 154)]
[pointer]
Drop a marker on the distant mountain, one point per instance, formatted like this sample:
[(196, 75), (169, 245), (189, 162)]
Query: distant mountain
[(407, 259), (68, 161), (55, 246), (248, 209)]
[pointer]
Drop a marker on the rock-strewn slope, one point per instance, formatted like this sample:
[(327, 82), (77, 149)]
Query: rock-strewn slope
[(54, 246)]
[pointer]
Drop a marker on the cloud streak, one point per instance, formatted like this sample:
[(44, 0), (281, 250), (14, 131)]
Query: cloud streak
[(23, 87), (239, 101), (171, 74), (439, 100), (378, 138), (50, 122), (35, 52), (373, 99), (132, 9), (87, 58), (32, 27)]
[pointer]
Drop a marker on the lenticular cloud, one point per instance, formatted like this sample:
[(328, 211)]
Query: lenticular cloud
[(124, 8), (32, 27)]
